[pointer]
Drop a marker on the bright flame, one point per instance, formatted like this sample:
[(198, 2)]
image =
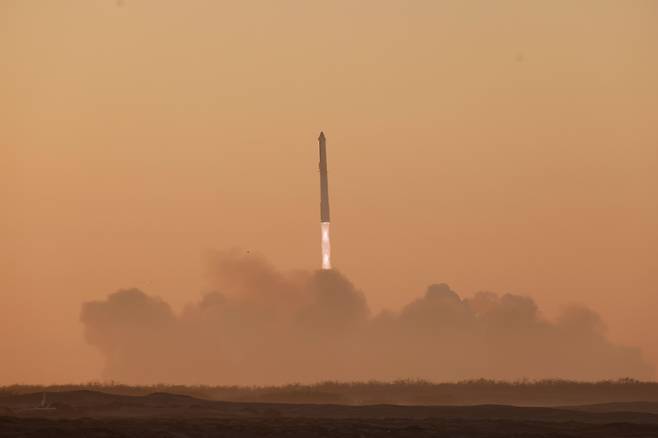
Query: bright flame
[(326, 246)]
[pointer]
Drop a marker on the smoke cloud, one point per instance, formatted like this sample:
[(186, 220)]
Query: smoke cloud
[(263, 326)]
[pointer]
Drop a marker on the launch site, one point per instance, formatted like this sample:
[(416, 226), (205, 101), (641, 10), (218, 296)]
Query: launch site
[(376, 218)]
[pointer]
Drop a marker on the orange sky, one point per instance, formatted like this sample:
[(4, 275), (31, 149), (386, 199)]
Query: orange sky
[(508, 146)]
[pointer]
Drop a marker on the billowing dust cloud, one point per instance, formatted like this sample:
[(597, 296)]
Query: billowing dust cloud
[(263, 326)]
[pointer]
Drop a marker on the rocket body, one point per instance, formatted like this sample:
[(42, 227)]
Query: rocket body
[(325, 218), (324, 181)]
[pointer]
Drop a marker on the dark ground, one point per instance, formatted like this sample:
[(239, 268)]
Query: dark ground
[(401, 392), (95, 414), (309, 428)]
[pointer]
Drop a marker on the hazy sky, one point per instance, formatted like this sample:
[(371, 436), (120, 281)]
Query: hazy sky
[(492, 145)]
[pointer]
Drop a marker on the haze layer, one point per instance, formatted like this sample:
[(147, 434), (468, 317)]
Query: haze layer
[(507, 145)]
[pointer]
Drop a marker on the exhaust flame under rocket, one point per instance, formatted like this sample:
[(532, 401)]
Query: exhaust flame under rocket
[(326, 246), (324, 204)]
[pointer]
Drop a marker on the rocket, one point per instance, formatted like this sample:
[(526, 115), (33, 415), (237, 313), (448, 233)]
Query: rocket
[(324, 204), (324, 180)]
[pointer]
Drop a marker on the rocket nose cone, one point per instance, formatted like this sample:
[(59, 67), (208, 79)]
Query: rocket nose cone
[(321, 137)]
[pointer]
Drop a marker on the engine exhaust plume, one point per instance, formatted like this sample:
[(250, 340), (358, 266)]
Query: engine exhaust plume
[(326, 246), (264, 326)]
